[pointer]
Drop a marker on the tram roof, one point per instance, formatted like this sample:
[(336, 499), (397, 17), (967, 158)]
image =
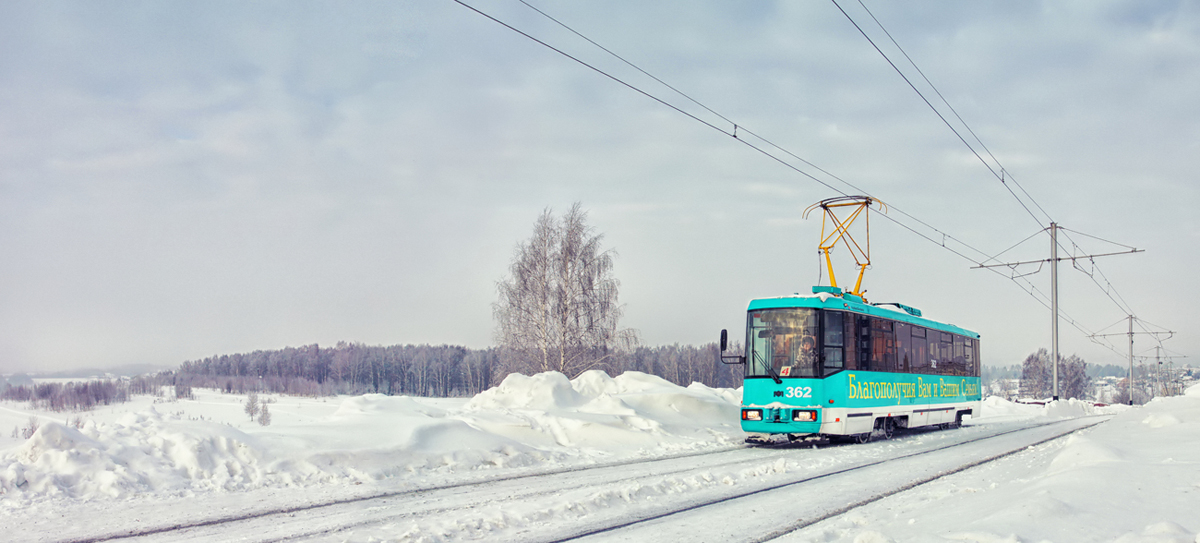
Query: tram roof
[(826, 298)]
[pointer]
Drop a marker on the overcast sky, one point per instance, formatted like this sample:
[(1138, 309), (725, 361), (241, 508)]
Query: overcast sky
[(179, 180)]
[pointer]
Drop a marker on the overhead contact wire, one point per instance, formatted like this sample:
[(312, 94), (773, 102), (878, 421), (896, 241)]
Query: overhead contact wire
[(936, 112), (1003, 170), (1110, 290), (1031, 291)]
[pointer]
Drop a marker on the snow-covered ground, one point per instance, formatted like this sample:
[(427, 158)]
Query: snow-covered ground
[(148, 462), (210, 444), (1135, 478)]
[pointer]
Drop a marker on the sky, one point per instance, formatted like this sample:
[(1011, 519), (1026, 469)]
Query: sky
[(184, 180)]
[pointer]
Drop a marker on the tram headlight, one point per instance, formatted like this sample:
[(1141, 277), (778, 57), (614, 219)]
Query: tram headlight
[(752, 414), (804, 416)]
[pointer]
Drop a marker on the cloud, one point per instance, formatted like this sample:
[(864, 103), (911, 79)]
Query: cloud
[(177, 181)]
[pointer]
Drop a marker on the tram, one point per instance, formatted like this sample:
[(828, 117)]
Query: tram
[(831, 364)]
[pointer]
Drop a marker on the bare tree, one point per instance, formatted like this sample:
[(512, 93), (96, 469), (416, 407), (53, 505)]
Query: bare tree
[(1037, 379), (558, 311), (1035, 375), (252, 404), (1073, 380), (264, 416), (31, 427)]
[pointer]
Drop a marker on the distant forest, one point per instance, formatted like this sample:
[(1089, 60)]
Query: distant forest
[(1107, 370), (991, 373), (353, 368), (421, 370)]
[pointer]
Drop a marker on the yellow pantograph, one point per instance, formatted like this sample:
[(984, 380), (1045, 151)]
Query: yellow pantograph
[(835, 229)]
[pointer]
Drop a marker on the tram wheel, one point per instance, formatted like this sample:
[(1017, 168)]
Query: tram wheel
[(862, 438), (889, 428)]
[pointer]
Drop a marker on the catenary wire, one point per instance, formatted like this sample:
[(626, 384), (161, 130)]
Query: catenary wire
[(736, 126), (1014, 246), (1095, 238), (1033, 290), (938, 113), (1003, 171), (748, 131), (1110, 290)]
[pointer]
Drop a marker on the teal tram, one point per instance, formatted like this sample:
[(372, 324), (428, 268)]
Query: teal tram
[(831, 365)]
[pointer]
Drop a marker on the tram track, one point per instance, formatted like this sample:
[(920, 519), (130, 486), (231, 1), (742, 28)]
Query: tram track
[(755, 534), (426, 502), (383, 512), (180, 527)]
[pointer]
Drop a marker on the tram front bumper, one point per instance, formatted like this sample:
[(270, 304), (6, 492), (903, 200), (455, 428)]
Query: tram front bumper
[(786, 420)]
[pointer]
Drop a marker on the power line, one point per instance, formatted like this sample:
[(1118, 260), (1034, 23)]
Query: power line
[(745, 130), (1003, 172), (593, 68), (925, 99), (1032, 290), (1108, 290)]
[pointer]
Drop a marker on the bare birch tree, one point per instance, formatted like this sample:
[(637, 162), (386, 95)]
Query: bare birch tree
[(251, 407), (559, 310), (1036, 377)]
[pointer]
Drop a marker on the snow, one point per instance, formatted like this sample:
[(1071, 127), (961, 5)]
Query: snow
[(210, 445), (1134, 478)]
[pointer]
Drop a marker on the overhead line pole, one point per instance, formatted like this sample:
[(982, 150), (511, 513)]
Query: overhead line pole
[(1054, 301), (1131, 333)]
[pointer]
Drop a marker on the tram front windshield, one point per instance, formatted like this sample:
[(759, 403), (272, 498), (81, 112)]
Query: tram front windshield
[(782, 342)]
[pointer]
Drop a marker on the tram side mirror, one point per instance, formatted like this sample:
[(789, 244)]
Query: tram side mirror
[(729, 359)]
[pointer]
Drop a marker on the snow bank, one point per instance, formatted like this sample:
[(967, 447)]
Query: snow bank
[(142, 452), (997, 409), (602, 415), (1132, 479), (525, 421)]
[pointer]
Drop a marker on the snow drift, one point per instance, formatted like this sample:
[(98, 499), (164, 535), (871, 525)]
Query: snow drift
[(526, 421), (139, 453)]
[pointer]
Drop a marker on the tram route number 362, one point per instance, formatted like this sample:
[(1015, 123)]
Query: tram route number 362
[(795, 392)]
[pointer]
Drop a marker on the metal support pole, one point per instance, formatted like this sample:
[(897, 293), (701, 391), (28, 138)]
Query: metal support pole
[(1131, 360), (1158, 378), (1054, 303)]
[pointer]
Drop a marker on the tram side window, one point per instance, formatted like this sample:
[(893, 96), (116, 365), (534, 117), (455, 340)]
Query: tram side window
[(978, 361), (863, 334), (850, 337), (941, 353), (834, 340), (919, 351), (959, 358), (883, 345), (903, 347), (969, 359)]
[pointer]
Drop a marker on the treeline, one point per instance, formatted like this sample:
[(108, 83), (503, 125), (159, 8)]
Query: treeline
[(86, 395), (353, 368), (1107, 370), (421, 370), (992, 373), (70, 396), (683, 364)]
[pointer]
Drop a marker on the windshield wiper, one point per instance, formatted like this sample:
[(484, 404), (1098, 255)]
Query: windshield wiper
[(770, 370)]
